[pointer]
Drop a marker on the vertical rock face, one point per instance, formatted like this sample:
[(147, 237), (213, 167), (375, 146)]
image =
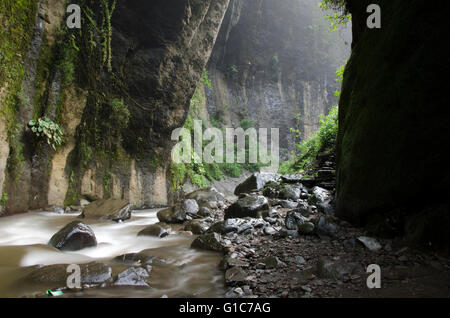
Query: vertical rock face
[(274, 63), (393, 149), (152, 64)]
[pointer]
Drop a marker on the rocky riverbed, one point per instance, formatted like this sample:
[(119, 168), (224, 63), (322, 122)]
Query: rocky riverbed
[(277, 238), (281, 239)]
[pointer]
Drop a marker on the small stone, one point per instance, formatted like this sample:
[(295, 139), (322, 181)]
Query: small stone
[(299, 260), (268, 230), (369, 242), (271, 262)]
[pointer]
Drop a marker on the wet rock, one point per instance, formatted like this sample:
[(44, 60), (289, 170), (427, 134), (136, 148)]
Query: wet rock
[(235, 293), (55, 276), (210, 241), (248, 206), (293, 220), (325, 227), (55, 209), (132, 277), (172, 215), (190, 206), (136, 259), (369, 242), (206, 195), (229, 262), (321, 195), (271, 262), (271, 220), (218, 227), (236, 275), (204, 211), (322, 198), (303, 208), (291, 178), (157, 230), (74, 236), (195, 227), (269, 230), (256, 181), (271, 213), (290, 193), (306, 228), (288, 204), (336, 269), (108, 209)]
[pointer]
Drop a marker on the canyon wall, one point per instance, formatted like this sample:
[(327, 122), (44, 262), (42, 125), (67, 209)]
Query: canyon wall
[(393, 149), (117, 88), (274, 63)]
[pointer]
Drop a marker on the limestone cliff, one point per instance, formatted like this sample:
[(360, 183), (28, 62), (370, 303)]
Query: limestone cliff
[(274, 63), (117, 87)]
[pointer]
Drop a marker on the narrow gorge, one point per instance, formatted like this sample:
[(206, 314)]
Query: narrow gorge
[(92, 93)]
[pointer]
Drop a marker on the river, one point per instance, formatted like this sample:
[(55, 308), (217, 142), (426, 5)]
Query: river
[(187, 272)]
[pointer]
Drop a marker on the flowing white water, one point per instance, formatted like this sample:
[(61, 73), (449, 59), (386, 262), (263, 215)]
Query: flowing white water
[(188, 272)]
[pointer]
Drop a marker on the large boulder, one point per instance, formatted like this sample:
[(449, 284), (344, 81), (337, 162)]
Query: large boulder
[(157, 230), (203, 196), (174, 214), (290, 193), (74, 236), (210, 241), (196, 227), (55, 276), (248, 206), (256, 181), (190, 206), (108, 209)]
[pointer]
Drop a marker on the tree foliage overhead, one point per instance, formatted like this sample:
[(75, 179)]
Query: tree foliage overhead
[(340, 15)]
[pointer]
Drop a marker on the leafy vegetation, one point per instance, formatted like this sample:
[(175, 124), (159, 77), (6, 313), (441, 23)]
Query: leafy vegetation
[(45, 127), (17, 19), (200, 173), (323, 140), (339, 16)]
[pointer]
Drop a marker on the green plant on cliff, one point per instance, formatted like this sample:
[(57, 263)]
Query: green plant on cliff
[(323, 140), (17, 19), (107, 32), (307, 151), (48, 129)]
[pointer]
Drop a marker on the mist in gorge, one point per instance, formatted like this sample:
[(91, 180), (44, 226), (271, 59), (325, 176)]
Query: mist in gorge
[(250, 151)]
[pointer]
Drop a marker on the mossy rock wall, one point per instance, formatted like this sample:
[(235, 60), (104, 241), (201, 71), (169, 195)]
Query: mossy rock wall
[(117, 87), (393, 149)]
